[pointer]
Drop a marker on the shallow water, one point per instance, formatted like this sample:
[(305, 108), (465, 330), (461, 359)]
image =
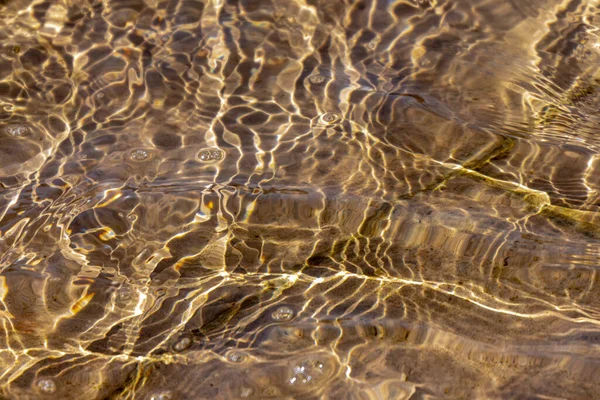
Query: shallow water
[(299, 200)]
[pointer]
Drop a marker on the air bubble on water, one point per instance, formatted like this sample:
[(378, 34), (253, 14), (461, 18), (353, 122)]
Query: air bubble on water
[(300, 379), (283, 313), (46, 385), (245, 392), (425, 62), (316, 79), (182, 344), (16, 130), (211, 154), (306, 372), (329, 118), (100, 95), (139, 155), (165, 38), (124, 295), (163, 395), (236, 357)]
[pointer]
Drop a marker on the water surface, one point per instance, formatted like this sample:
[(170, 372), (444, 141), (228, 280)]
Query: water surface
[(286, 199)]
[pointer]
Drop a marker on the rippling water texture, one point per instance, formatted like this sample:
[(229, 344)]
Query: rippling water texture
[(299, 199)]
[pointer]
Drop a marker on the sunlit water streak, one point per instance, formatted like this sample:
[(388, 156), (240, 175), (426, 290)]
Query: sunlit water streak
[(299, 200)]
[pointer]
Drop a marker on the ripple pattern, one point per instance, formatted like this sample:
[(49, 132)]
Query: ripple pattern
[(292, 199)]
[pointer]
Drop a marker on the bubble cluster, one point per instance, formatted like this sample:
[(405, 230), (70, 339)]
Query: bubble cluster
[(329, 118), (182, 344), (306, 372), (46, 385), (425, 62), (16, 130), (163, 395), (124, 295), (283, 313), (236, 357), (211, 154), (316, 79), (139, 155), (246, 392)]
